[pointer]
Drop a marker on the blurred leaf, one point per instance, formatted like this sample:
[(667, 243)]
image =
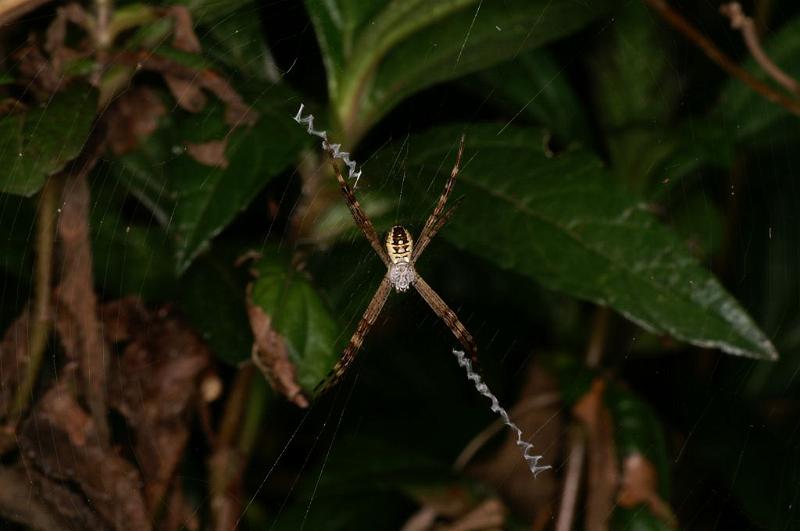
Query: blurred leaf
[(130, 258), (17, 234), (760, 467), (38, 143), (637, 429), (748, 116), (237, 41), (639, 519), (300, 317), (533, 85), (688, 147), (196, 202), (378, 53), (699, 222), (209, 12), (562, 221), (212, 298), (332, 512), (635, 91)]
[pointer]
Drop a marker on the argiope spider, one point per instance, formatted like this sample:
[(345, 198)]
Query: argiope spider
[(399, 254)]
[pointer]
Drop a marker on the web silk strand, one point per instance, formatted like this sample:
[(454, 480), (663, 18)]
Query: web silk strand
[(526, 447), (334, 149)]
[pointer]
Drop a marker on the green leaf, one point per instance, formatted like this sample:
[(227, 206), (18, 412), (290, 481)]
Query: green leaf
[(237, 41), (196, 202), (130, 258), (212, 298), (378, 53), (635, 91), (748, 116), (637, 429), (533, 84), (210, 12), (639, 519), (300, 317), (564, 222), (38, 143), (17, 235)]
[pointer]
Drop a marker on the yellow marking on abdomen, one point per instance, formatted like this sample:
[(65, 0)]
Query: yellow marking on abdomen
[(399, 244)]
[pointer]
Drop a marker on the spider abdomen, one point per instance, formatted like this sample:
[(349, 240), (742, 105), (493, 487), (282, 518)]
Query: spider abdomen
[(402, 276), (399, 244)]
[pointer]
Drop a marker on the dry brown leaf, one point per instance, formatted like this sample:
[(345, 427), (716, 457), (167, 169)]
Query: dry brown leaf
[(61, 440), (18, 505), (226, 467), (184, 37), (179, 513), (603, 476), (237, 112), (54, 43), (132, 118), (77, 321), (188, 93), (68, 505), (154, 385), (35, 69), (271, 355), (506, 471), (488, 516), (209, 153), (123, 319), (13, 359), (640, 486)]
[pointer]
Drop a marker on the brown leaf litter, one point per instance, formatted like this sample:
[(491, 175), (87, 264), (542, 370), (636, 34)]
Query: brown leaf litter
[(271, 355)]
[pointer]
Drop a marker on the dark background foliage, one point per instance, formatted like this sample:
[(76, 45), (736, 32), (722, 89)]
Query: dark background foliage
[(626, 256)]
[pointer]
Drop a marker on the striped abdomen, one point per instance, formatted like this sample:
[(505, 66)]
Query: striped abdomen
[(399, 244)]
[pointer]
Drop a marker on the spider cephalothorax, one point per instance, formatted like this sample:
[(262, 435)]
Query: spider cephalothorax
[(399, 254), (399, 246)]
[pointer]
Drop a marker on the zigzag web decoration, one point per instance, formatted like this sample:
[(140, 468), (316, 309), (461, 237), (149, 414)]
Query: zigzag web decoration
[(333, 149), (530, 459)]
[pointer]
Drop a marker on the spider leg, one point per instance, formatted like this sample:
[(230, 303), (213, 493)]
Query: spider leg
[(427, 233), (359, 216), (449, 317), (441, 222), (364, 325)]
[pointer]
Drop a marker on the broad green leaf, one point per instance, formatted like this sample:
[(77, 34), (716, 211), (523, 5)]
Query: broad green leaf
[(534, 85), (41, 141), (237, 41), (212, 298), (378, 53), (748, 116), (299, 316), (635, 90), (130, 258), (196, 202), (564, 222)]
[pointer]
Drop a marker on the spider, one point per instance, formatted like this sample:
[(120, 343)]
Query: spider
[(399, 253)]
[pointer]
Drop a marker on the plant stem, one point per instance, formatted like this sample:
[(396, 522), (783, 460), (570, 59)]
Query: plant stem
[(723, 61), (572, 482), (103, 11), (40, 313), (577, 452), (234, 407), (745, 24)]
